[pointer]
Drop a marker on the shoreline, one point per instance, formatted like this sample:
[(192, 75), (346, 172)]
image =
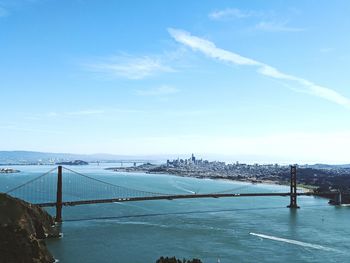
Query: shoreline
[(9, 171), (304, 188)]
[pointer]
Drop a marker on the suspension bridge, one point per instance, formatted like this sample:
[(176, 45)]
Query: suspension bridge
[(58, 191)]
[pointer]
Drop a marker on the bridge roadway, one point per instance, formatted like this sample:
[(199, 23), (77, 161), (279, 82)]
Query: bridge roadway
[(171, 197)]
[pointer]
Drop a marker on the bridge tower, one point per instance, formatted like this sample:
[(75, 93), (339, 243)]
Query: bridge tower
[(58, 217), (338, 198), (293, 187)]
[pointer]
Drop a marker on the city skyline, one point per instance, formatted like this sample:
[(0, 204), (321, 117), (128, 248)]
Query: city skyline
[(265, 81)]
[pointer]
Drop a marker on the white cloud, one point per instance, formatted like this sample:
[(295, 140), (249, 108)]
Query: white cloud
[(129, 67), (232, 13), (209, 49), (277, 27), (159, 91)]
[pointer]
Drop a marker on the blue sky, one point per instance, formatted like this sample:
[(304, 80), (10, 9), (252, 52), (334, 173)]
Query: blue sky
[(262, 81)]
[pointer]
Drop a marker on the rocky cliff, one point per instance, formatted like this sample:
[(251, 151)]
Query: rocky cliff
[(23, 228)]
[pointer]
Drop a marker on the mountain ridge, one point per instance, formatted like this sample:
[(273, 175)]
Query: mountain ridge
[(25, 157), (9, 157)]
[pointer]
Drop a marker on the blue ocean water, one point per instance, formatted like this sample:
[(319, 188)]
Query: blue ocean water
[(244, 229)]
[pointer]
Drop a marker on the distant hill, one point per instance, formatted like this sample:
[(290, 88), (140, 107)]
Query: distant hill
[(28, 157), (326, 166), (76, 162), (32, 157)]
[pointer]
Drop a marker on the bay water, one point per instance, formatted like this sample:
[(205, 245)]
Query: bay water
[(242, 229)]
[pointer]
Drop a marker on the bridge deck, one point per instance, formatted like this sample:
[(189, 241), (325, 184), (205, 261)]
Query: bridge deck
[(167, 197)]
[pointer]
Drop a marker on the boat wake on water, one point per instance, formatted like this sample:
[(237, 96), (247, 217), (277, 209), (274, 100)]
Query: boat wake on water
[(294, 242), (180, 187)]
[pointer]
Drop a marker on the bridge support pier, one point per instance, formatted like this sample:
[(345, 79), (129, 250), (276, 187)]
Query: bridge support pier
[(293, 187), (58, 217)]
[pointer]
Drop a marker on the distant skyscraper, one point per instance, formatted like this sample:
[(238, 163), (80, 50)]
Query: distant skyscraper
[(193, 158)]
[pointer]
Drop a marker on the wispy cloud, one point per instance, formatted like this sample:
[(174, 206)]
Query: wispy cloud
[(230, 13), (85, 112), (8, 7), (26, 129), (115, 112), (259, 148), (326, 50), (3, 12), (7, 126), (90, 112), (209, 49), (277, 27), (158, 91), (129, 67), (266, 16)]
